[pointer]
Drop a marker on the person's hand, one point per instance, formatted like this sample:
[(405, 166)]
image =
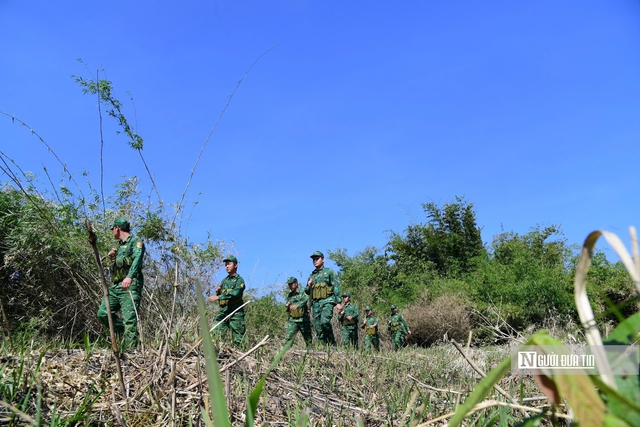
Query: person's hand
[(348, 317), (339, 308), (112, 254), (213, 298), (218, 290), (409, 332), (126, 283), (309, 282), (293, 307)]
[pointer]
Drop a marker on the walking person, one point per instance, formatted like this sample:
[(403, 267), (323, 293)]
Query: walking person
[(348, 318), (298, 309), (324, 289), (125, 291), (370, 326), (398, 329), (229, 296)]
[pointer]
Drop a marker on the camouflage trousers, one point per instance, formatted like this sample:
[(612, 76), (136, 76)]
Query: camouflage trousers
[(235, 323), (128, 302), (371, 341), (293, 327), (398, 339), (322, 314), (350, 336)]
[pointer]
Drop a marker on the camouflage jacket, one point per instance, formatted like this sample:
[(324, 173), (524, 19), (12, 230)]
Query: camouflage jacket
[(371, 325), (128, 262), (397, 323), (325, 287), (231, 291), (300, 300), (349, 310)]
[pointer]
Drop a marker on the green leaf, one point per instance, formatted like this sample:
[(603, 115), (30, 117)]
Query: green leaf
[(531, 422), (624, 401), (611, 420), (482, 389), (254, 397), (578, 389), (626, 332), (621, 403)]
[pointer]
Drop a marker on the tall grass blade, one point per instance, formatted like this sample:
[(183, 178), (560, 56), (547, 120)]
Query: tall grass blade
[(481, 391), (577, 389), (254, 397), (216, 389)]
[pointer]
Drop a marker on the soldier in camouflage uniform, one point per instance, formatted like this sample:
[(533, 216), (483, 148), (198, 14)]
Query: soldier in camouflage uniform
[(348, 318), (229, 296), (125, 291), (298, 314), (324, 289), (398, 328), (370, 326)]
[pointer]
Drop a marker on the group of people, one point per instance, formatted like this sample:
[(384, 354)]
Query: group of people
[(322, 293)]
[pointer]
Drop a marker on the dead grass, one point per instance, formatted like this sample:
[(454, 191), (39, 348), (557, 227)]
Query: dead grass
[(442, 319), (333, 386)]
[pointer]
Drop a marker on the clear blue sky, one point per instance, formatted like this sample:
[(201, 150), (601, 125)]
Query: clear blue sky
[(366, 110)]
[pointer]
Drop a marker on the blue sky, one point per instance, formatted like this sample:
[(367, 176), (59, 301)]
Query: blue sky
[(366, 110)]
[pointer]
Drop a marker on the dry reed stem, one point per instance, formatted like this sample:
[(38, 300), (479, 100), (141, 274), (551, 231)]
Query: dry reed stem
[(481, 372), (489, 404), (433, 388), (19, 413)]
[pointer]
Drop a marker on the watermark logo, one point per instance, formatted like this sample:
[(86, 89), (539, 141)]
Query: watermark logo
[(571, 360)]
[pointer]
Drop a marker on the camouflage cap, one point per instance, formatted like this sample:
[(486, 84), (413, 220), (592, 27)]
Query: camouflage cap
[(317, 254), (291, 280), (346, 294), (122, 224), (368, 308), (393, 307), (231, 258)]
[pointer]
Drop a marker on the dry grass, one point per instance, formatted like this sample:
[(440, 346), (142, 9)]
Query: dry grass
[(333, 386), (444, 318)]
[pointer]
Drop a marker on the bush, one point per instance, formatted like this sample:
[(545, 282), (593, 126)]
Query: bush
[(265, 316), (447, 315), (526, 276)]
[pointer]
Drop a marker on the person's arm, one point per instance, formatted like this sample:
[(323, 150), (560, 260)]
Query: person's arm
[(307, 289), (405, 325), (335, 283), (136, 260), (234, 291), (375, 322)]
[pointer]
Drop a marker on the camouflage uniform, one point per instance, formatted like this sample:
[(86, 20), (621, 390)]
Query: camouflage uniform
[(230, 298), (325, 294), (127, 263), (371, 337), (298, 318), (398, 329), (349, 327)]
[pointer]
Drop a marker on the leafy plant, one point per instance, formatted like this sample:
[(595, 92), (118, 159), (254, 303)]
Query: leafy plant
[(599, 399)]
